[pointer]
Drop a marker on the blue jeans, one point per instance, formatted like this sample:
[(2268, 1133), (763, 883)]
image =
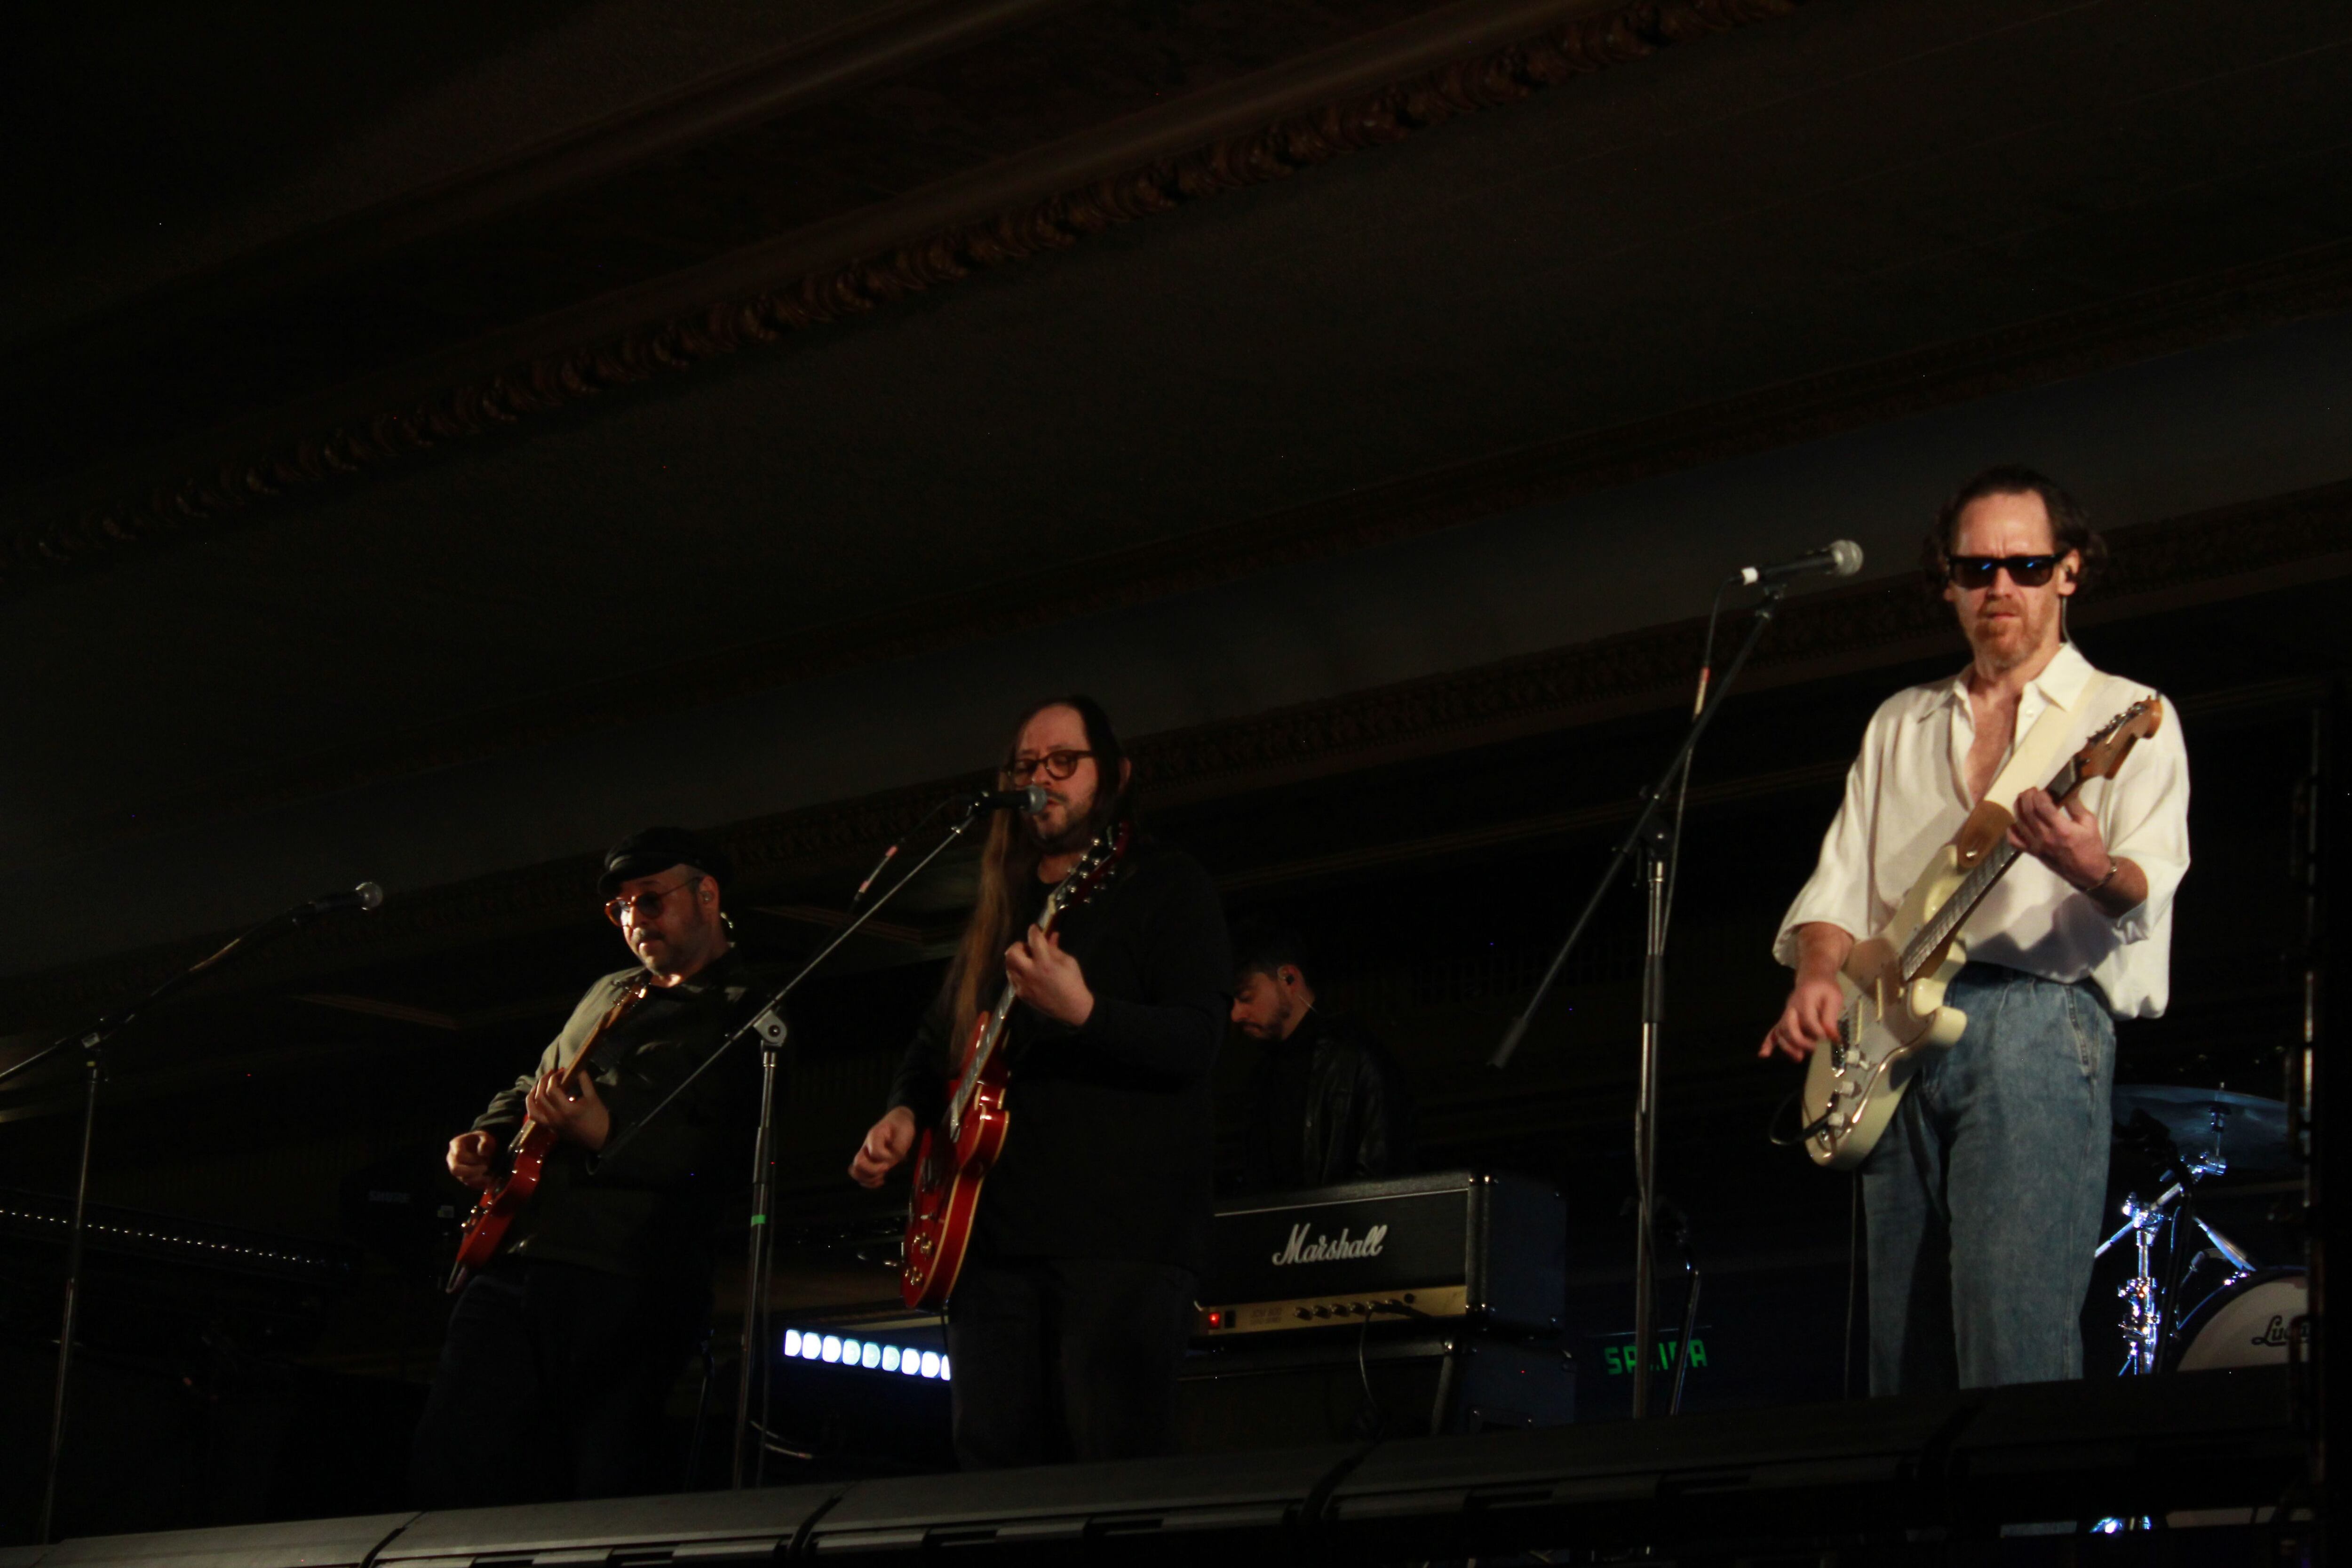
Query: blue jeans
[(1984, 1196)]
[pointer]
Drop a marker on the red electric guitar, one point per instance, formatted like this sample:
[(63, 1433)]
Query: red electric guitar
[(954, 1157), (495, 1210)]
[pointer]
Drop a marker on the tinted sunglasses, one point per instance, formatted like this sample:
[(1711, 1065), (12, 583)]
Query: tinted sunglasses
[(643, 907), (1977, 571)]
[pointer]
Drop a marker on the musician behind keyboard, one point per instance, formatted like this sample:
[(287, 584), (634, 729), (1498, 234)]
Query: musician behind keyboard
[(1984, 1193), (1326, 1101)]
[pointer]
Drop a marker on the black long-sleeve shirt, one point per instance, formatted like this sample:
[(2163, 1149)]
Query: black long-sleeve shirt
[(647, 1211), (1111, 1153)]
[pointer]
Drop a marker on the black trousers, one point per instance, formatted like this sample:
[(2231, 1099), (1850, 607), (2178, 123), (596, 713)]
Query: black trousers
[(552, 1385), (1065, 1359)]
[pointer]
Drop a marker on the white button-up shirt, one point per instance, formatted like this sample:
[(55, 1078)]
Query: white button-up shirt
[(1906, 796)]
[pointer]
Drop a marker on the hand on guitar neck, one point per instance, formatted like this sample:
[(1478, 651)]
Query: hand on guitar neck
[(575, 1113), (1048, 979), (579, 1116), (2065, 837)]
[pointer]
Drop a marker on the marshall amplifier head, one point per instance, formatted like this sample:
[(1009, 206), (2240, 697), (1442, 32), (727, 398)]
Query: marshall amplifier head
[(1466, 1244)]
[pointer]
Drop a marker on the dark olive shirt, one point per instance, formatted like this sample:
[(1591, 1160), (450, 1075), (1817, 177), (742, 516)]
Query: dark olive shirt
[(649, 1210), (1110, 1151)]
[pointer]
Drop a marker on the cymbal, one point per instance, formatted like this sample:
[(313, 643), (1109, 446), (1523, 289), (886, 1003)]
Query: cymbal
[(2245, 1131)]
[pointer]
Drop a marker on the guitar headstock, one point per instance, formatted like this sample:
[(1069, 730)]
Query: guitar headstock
[(1094, 868), (2105, 751)]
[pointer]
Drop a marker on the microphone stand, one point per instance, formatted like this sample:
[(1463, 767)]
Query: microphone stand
[(92, 1042), (768, 1025), (1648, 837)]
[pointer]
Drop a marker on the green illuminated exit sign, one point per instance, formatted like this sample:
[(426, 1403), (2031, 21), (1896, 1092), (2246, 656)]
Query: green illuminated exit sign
[(1618, 1360)]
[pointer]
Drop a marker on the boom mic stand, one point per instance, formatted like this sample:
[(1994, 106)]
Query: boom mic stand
[(1647, 837), (92, 1042), (768, 1025)]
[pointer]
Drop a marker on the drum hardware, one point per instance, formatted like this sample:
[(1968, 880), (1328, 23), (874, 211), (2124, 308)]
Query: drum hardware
[(2160, 1117)]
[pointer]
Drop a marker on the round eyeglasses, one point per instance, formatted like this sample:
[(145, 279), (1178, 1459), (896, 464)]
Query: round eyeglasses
[(1056, 764), (641, 907)]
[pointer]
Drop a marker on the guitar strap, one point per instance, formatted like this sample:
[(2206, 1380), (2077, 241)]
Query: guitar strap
[(628, 999)]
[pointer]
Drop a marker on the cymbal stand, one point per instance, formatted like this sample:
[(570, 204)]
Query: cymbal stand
[(2150, 1297), (2143, 1318)]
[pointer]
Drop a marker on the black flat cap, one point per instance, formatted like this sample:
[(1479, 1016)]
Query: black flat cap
[(655, 850)]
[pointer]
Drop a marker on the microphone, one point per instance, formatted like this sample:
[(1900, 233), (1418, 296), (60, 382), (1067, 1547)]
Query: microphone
[(367, 896), (1839, 558), (1028, 801)]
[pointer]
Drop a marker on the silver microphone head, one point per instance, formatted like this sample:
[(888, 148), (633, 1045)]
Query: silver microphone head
[(371, 895), (1036, 800), (1846, 558)]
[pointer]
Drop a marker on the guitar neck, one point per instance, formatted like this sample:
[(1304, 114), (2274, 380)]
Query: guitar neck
[(1926, 948), (991, 1037)]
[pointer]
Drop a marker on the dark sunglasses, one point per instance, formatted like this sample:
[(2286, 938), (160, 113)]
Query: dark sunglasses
[(1977, 571)]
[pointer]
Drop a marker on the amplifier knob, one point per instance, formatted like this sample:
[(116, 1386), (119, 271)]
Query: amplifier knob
[(1304, 1312)]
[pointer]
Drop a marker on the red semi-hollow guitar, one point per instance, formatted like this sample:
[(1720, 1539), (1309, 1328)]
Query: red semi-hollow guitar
[(495, 1210), (955, 1156)]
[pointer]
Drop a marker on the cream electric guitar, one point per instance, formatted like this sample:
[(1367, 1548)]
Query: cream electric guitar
[(1894, 981)]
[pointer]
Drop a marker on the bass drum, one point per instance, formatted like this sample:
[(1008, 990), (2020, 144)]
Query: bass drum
[(2243, 1325)]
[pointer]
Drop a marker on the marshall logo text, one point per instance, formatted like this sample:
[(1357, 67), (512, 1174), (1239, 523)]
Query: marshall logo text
[(1328, 1249)]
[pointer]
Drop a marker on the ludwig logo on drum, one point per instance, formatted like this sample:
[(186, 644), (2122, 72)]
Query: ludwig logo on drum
[(1326, 1249)]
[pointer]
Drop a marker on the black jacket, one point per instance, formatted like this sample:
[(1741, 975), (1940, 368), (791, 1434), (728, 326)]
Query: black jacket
[(1111, 1153), (1326, 1105), (649, 1211)]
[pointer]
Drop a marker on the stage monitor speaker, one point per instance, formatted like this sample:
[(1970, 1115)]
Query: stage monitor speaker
[(303, 1543), (756, 1526), (1192, 1508), (1349, 1385), (1867, 1472)]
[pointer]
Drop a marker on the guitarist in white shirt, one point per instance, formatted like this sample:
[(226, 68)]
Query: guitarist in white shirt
[(1984, 1194)]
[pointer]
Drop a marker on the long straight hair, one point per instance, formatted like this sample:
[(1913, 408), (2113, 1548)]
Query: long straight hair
[(1009, 862)]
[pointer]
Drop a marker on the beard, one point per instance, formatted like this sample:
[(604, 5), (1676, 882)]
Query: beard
[(2003, 645), (1076, 836)]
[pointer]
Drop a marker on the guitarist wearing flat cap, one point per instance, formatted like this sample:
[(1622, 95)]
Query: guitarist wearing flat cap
[(1984, 1184), (578, 1309)]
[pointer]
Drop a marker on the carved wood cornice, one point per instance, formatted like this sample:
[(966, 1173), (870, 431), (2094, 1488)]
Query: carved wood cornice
[(2054, 348), (1556, 41), (2154, 568)]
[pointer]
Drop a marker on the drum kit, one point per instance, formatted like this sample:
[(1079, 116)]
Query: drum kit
[(2240, 1314)]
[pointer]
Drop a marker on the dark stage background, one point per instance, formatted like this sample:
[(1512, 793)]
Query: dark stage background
[(445, 439), (1437, 889)]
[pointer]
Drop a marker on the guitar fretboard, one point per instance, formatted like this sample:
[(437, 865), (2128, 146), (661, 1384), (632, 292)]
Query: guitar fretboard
[(1948, 921)]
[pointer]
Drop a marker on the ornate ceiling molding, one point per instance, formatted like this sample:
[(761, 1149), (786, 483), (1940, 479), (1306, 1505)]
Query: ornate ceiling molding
[(2031, 354), (1557, 41), (2154, 568)]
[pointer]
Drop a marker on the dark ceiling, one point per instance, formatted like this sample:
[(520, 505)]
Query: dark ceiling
[(451, 430)]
